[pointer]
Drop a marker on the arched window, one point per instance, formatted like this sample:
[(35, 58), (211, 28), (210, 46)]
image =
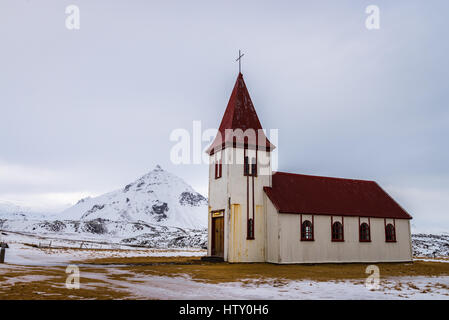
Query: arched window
[(307, 231), (390, 233), (337, 231), (365, 232)]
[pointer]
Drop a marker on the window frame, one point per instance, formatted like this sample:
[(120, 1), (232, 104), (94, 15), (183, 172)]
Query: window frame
[(342, 230), (246, 170), (249, 167), (393, 228), (218, 168), (368, 225), (250, 229), (304, 233), (253, 167)]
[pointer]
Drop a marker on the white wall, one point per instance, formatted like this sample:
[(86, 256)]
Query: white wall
[(272, 239), (218, 190), (322, 249), (233, 184)]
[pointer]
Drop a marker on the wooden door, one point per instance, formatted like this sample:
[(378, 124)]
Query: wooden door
[(218, 237)]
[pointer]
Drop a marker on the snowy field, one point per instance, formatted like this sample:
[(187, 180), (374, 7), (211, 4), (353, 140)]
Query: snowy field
[(185, 288), (136, 286), (24, 250), (29, 269)]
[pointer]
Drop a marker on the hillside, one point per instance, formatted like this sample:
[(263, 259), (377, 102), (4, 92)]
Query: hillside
[(158, 197), (157, 210)]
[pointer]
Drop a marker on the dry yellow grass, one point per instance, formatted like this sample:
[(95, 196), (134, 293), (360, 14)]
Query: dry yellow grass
[(226, 272), (50, 285), (141, 260), (99, 279)]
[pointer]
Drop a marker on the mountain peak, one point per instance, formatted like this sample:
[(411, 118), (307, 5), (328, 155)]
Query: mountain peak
[(158, 197)]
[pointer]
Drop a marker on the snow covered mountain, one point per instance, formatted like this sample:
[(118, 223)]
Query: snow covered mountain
[(106, 231), (158, 197), (9, 210), (158, 210), (430, 245)]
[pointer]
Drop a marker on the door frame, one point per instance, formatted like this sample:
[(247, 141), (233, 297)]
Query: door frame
[(217, 214)]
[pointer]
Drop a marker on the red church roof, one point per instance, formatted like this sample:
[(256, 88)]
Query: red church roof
[(240, 114), (298, 193)]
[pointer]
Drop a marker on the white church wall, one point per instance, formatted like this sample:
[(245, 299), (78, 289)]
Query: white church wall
[(217, 197), (218, 188), (240, 249), (323, 249), (272, 227)]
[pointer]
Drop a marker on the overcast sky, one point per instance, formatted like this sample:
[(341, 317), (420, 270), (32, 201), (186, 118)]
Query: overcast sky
[(87, 111)]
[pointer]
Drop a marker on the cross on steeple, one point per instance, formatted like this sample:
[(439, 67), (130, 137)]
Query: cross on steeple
[(239, 60)]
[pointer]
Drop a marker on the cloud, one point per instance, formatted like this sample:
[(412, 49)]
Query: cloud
[(30, 186), (43, 202), (12, 175)]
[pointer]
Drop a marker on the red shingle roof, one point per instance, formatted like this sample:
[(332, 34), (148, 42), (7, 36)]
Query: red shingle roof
[(240, 114), (298, 193)]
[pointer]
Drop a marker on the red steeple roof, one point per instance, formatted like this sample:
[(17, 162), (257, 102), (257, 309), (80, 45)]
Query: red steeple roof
[(240, 114)]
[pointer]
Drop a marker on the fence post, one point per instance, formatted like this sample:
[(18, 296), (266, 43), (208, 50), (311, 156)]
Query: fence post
[(3, 246)]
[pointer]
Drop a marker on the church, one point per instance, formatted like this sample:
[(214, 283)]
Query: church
[(257, 215)]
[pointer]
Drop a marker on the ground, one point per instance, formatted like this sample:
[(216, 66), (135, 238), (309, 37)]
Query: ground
[(138, 273)]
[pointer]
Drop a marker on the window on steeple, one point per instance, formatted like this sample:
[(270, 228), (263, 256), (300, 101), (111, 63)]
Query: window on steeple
[(218, 168), (250, 168), (254, 167), (246, 166), (250, 231)]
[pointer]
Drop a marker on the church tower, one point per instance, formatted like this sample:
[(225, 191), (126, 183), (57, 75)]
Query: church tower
[(239, 169)]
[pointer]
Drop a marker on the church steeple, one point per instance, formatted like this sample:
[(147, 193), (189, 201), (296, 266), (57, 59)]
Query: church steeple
[(240, 114)]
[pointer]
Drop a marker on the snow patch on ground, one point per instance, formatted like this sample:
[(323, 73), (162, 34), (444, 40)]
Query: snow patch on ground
[(161, 287), (25, 278)]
